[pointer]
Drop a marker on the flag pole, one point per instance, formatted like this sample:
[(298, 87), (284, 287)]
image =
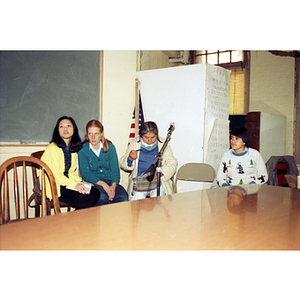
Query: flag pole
[(136, 106)]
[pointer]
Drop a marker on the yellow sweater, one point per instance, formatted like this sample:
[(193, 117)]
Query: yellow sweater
[(54, 158)]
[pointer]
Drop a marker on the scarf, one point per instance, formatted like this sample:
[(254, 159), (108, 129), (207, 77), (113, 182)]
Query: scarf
[(148, 147)]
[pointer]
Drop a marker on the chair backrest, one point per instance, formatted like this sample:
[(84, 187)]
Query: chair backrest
[(9, 184), (37, 154), (272, 163), (200, 172)]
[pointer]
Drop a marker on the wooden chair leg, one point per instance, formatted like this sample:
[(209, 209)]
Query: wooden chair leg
[(37, 208), (48, 208)]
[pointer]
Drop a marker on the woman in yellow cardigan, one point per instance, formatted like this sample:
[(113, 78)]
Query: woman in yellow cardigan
[(61, 157)]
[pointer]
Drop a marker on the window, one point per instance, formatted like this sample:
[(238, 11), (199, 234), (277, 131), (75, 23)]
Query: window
[(238, 62), (218, 57), (237, 91)]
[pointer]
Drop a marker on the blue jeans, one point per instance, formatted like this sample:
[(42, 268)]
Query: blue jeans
[(120, 195)]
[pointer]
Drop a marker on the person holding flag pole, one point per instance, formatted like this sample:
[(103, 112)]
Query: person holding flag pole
[(140, 154)]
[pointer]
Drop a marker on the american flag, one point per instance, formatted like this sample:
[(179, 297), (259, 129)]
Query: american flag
[(141, 120)]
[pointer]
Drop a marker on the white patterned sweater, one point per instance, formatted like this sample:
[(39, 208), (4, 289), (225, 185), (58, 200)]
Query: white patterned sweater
[(247, 167)]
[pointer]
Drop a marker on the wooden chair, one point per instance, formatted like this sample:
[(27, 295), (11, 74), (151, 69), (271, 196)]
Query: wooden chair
[(9, 184), (36, 197), (200, 172)]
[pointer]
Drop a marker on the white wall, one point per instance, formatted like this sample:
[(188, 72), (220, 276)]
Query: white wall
[(119, 98), (8, 151), (272, 89)]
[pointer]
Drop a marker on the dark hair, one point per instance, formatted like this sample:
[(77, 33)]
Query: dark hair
[(243, 133), (75, 143), (98, 124), (149, 127)]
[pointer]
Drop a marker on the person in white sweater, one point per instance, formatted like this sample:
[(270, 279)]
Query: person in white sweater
[(241, 164)]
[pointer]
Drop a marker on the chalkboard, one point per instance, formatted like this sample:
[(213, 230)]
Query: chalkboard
[(38, 87)]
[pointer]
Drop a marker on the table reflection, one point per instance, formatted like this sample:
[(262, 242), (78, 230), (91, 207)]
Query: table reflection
[(239, 200)]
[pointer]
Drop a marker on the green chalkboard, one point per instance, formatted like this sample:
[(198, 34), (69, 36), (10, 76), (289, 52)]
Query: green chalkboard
[(38, 87)]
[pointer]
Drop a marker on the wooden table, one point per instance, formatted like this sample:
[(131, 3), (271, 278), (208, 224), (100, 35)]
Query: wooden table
[(208, 219)]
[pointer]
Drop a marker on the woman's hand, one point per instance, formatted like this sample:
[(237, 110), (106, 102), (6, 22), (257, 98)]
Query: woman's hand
[(81, 188), (133, 155), (110, 190), (155, 175), (104, 185)]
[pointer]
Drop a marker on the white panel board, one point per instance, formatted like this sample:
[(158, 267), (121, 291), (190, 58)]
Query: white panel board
[(216, 114), (177, 95), (272, 135)]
